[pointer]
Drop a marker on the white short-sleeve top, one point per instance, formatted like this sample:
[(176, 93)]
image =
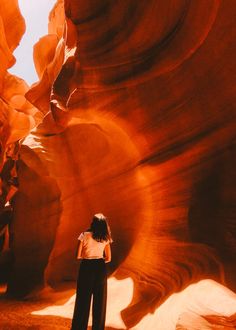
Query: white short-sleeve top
[(91, 249)]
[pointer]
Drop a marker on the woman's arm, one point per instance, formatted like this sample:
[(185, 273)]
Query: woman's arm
[(107, 251), (79, 250)]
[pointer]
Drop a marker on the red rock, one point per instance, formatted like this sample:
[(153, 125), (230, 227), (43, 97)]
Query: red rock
[(17, 116), (140, 125)]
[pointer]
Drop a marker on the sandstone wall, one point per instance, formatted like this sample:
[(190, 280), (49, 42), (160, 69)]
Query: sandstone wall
[(139, 106)]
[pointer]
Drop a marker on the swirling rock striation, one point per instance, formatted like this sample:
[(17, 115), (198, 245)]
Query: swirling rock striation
[(140, 124)]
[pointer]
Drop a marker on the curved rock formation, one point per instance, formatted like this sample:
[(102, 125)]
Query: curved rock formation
[(17, 118), (139, 124)]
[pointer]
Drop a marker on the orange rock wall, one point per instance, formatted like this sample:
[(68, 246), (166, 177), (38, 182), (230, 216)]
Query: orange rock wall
[(17, 115), (17, 118), (139, 124)]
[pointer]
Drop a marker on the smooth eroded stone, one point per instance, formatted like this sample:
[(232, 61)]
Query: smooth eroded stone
[(140, 124)]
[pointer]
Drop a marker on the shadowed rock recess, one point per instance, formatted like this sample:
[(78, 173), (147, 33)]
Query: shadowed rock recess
[(135, 110)]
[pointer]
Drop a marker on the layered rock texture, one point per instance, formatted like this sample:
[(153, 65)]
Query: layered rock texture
[(138, 100), (17, 118)]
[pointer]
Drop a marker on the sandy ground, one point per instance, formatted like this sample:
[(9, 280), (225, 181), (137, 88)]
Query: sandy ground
[(16, 314), (205, 305)]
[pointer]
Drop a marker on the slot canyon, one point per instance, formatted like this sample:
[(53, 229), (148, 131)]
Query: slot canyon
[(133, 115)]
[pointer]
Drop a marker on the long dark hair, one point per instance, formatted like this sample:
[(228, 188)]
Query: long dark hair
[(100, 228)]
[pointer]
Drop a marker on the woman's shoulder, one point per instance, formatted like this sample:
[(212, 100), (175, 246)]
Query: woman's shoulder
[(109, 241), (84, 235)]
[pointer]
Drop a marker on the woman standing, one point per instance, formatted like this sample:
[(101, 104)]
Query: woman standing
[(94, 250)]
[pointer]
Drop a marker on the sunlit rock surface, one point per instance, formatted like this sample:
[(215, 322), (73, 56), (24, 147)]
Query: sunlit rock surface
[(139, 104), (49, 54), (12, 27), (17, 118), (17, 115), (190, 309), (9, 39)]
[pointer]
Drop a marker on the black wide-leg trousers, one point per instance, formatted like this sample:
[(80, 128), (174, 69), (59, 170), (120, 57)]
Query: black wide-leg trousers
[(92, 281)]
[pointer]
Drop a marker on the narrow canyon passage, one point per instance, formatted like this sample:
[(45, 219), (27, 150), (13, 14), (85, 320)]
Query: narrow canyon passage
[(133, 115)]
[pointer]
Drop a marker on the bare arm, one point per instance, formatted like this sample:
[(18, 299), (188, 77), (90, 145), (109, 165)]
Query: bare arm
[(107, 253), (79, 250)]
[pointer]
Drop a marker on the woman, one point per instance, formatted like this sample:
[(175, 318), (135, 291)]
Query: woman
[(94, 250)]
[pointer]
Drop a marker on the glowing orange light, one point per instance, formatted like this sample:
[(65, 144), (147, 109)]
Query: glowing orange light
[(206, 297), (121, 290)]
